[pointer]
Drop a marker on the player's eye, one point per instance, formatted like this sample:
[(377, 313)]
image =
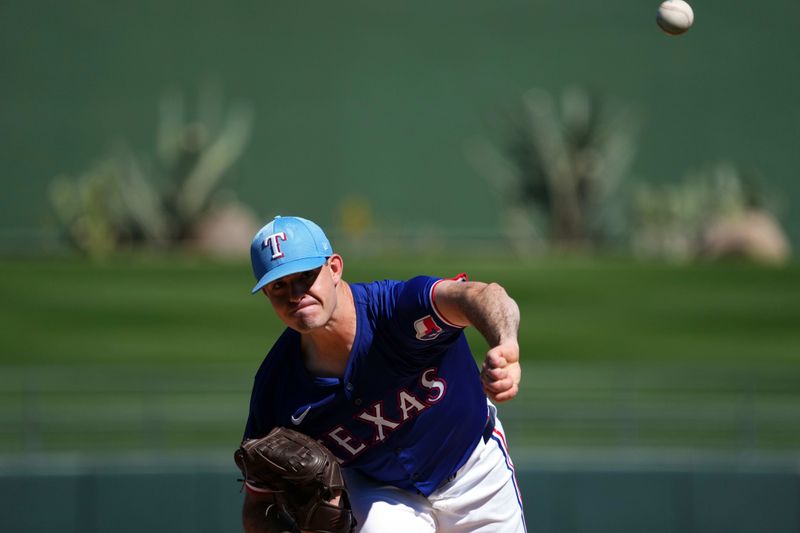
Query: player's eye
[(310, 275), (277, 286)]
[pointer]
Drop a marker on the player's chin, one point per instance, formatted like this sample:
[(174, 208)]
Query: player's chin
[(306, 320), (303, 326)]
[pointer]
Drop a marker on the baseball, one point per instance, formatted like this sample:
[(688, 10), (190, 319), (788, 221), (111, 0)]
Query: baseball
[(675, 16)]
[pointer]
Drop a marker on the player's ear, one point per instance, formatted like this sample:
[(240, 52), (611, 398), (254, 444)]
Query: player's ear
[(336, 264)]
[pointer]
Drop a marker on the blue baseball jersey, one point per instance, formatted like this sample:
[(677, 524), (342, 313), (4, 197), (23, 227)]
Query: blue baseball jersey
[(410, 408)]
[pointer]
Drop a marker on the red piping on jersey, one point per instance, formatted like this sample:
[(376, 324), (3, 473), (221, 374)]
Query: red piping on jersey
[(460, 277)]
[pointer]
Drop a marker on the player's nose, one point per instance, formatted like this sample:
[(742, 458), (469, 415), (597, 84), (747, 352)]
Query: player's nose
[(297, 290)]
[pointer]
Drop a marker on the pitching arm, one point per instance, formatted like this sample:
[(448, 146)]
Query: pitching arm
[(495, 315)]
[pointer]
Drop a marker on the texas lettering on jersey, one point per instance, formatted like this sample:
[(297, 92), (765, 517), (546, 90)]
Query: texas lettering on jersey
[(408, 405)]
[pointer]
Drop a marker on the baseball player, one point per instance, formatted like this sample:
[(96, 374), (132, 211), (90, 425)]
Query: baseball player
[(381, 374)]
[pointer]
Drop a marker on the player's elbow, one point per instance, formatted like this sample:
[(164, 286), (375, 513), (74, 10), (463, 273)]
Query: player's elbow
[(494, 292), (495, 289)]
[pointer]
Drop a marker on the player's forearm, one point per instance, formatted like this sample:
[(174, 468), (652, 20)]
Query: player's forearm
[(496, 316), (493, 313)]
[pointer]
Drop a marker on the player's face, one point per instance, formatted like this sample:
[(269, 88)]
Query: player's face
[(306, 300)]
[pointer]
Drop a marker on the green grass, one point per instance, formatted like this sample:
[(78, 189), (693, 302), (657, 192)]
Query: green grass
[(181, 310), (156, 353)]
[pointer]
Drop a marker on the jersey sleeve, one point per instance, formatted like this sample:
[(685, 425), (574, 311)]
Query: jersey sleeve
[(417, 321), (262, 415), (259, 421), (251, 428)]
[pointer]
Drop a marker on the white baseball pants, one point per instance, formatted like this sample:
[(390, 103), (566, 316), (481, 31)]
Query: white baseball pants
[(482, 498)]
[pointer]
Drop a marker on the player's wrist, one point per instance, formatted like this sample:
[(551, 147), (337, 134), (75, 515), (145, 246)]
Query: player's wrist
[(508, 342)]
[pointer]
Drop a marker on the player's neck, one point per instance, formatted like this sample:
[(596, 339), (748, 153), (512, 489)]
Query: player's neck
[(326, 350)]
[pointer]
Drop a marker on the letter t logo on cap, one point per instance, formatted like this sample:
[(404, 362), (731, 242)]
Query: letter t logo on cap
[(274, 243)]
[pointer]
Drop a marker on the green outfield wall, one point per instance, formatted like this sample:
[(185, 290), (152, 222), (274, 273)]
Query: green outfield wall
[(377, 100), (556, 500)]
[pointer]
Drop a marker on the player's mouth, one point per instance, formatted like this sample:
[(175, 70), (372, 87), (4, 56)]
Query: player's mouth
[(303, 305)]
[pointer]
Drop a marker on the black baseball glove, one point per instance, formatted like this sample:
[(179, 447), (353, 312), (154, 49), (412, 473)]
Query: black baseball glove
[(303, 475)]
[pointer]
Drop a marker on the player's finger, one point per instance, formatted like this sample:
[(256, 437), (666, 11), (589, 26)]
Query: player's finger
[(494, 359), (507, 394), (499, 397), (494, 374), (498, 385)]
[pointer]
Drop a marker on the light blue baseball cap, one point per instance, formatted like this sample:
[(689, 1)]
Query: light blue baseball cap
[(287, 245)]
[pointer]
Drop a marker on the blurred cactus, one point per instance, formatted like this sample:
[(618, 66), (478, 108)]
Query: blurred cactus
[(89, 208), (714, 212), (559, 169), (128, 200)]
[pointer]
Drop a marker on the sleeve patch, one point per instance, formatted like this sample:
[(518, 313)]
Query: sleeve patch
[(427, 329)]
